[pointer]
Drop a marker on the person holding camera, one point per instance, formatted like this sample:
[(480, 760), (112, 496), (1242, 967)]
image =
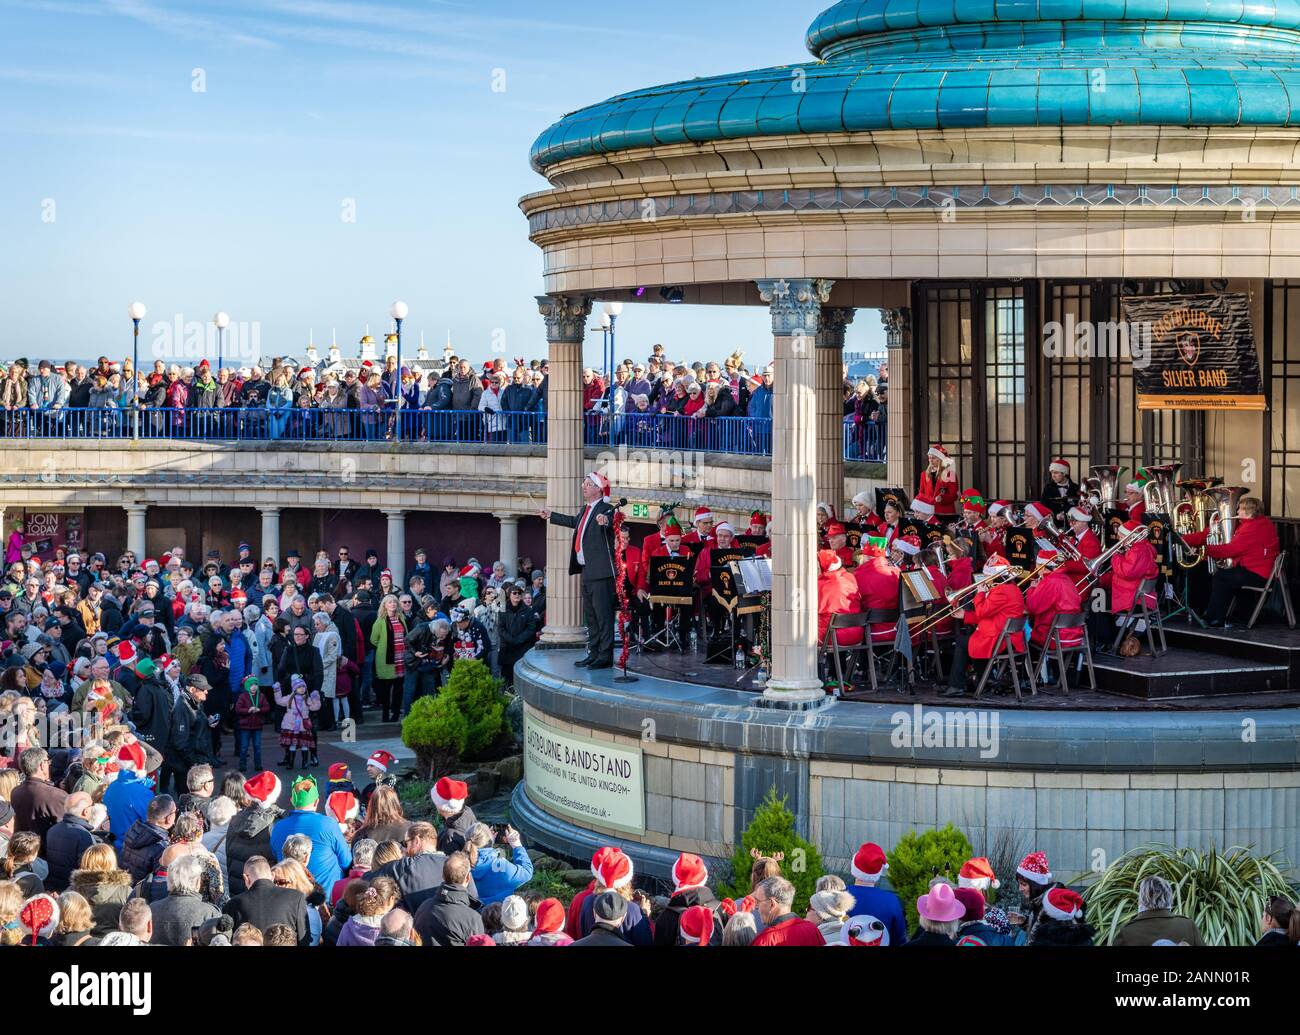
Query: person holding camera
[(496, 876)]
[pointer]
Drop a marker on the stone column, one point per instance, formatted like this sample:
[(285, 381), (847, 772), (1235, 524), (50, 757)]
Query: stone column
[(135, 534), (830, 406), (509, 551), (270, 535), (395, 558), (900, 464), (566, 326), (796, 310)]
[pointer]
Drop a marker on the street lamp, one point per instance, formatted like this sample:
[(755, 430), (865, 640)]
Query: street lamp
[(222, 321), (613, 310), (398, 311), (136, 311)]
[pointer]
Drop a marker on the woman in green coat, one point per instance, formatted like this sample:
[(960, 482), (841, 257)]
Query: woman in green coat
[(388, 637)]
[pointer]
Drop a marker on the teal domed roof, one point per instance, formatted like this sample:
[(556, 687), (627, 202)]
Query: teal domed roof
[(940, 64)]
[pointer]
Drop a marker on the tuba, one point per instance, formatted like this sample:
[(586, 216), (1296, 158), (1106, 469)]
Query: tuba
[(1222, 519), (1101, 488), (1158, 492), (1192, 514)]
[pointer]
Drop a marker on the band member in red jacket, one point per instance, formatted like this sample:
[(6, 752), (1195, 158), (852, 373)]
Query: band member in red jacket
[(994, 536), (903, 551), (757, 524), (1129, 568), (1252, 550), (837, 594), (682, 613), (703, 532), (1051, 595), (877, 581), (656, 539), (1085, 541), (837, 540), (825, 515), (990, 611), (939, 482), (633, 564), (864, 519), (1134, 501)]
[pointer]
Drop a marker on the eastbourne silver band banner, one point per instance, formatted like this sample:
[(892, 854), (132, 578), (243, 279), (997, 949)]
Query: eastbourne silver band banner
[(590, 780), (1200, 353)]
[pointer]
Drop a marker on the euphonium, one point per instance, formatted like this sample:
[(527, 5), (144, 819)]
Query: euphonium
[(1192, 514), (1223, 518), (1103, 485)]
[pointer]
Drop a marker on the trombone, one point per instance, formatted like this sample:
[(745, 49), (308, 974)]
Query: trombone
[(1096, 565), (958, 598)]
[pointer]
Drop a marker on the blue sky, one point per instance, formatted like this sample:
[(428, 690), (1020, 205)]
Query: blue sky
[(122, 181)]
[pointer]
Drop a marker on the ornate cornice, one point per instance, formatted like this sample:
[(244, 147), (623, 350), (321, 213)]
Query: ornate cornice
[(565, 316), (898, 327), (796, 305), (834, 322)]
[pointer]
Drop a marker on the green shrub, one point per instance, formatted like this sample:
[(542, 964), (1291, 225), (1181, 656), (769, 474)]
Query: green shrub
[(918, 858), (462, 720), (771, 832), (1222, 892)]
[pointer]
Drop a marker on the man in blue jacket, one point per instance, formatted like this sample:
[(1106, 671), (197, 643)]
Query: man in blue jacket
[(127, 798), (330, 855), (495, 876), (869, 866)]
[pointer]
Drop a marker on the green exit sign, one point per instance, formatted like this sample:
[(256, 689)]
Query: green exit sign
[(640, 510)]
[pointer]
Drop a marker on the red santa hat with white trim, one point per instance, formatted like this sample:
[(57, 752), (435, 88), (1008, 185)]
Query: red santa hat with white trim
[(703, 514), (131, 756), (696, 926), (263, 788), (381, 760), (1059, 465), (869, 863), (995, 564), (908, 544), (601, 482), (923, 504), (1037, 510), (1063, 904), (344, 807), (597, 858), (689, 871), (977, 873), (1080, 512), (998, 506), (829, 561), (939, 453), (723, 526), (1033, 867), (615, 869), (449, 795)]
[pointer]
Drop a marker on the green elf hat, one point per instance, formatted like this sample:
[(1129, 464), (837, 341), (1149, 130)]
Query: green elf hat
[(305, 792), (251, 683)]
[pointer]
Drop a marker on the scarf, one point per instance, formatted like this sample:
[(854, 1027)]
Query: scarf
[(399, 646)]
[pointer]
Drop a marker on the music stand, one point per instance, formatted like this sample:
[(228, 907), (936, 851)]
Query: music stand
[(670, 586), (753, 576), (722, 590)]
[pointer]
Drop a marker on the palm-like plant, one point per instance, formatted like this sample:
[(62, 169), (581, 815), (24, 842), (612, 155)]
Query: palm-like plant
[(1223, 891)]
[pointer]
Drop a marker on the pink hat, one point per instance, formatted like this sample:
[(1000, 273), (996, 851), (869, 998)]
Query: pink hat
[(869, 864), (940, 905)]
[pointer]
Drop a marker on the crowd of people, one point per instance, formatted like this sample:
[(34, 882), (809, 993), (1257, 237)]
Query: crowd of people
[(495, 403), (91, 853)]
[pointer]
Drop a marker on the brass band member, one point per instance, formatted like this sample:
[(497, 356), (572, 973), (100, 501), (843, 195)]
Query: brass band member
[(758, 524), (877, 581), (825, 515), (725, 537), (939, 482), (1134, 502), (1127, 572), (864, 519), (903, 551), (893, 515), (1060, 486), (1252, 549), (837, 594), (1035, 515), (1052, 594), (925, 510), (703, 531), (672, 547), (837, 540), (655, 539), (992, 608), (993, 537), (1085, 541)]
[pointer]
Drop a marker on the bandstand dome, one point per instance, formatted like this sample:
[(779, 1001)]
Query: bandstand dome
[(952, 64)]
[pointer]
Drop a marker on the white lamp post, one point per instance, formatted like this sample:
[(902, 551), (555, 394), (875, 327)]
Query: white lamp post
[(221, 321), (398, 311), (136, 311)]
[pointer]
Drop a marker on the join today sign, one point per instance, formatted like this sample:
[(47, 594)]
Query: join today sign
[(589, 780)]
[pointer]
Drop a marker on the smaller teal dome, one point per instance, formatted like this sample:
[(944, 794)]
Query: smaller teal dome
[(943, 64)]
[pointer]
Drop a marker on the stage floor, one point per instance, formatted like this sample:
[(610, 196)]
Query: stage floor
[(1180, 664)]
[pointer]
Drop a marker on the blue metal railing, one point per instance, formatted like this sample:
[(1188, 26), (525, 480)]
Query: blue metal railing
[(744, 436)]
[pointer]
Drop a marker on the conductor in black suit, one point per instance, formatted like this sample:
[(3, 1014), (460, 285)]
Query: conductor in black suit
[(591, 555)]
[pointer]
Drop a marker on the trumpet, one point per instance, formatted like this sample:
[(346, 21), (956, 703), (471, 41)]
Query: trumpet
[(1097, 564)]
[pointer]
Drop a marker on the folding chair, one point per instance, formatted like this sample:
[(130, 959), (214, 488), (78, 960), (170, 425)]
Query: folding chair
[(857, 621), (1276, 580), (1152, 618), (1004, 650), (1052, 645)]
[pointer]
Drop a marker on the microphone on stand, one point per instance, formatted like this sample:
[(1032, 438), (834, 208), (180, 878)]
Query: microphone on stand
[(621, 503)]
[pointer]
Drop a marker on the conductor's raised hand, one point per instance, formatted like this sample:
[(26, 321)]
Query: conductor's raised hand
[(545, 513)]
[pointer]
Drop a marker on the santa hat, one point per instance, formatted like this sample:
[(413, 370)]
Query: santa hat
[(601, 482), (614, 870), (869, 863), (977, 873), (148, 561), (939, 453), (550, 916), (1037, 510), (972, 500), (1135, 485), (689, 871), (1132, 525), (449, 794), (830, 511), (39, 916), (696, 925), (263, 788), (1033, 867), (758, 518), (126, 652), (863, 499), (467, 572), (923, 505), (338, 772), (1047, 555), (723, 526), (343, 806), (995, 564), (1059, 466), (386, 573), (997, 507), (703, 514), (908, 544), (1063, 904), (864, 930), (381, 760), (828, 561), (1082, 512), (834, 528), (131, 756)]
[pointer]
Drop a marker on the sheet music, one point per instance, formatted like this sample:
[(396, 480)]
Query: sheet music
[(755, 574)]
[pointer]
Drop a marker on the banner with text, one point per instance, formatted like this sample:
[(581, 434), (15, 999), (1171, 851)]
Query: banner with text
[(591, 780), (1201, 353)]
